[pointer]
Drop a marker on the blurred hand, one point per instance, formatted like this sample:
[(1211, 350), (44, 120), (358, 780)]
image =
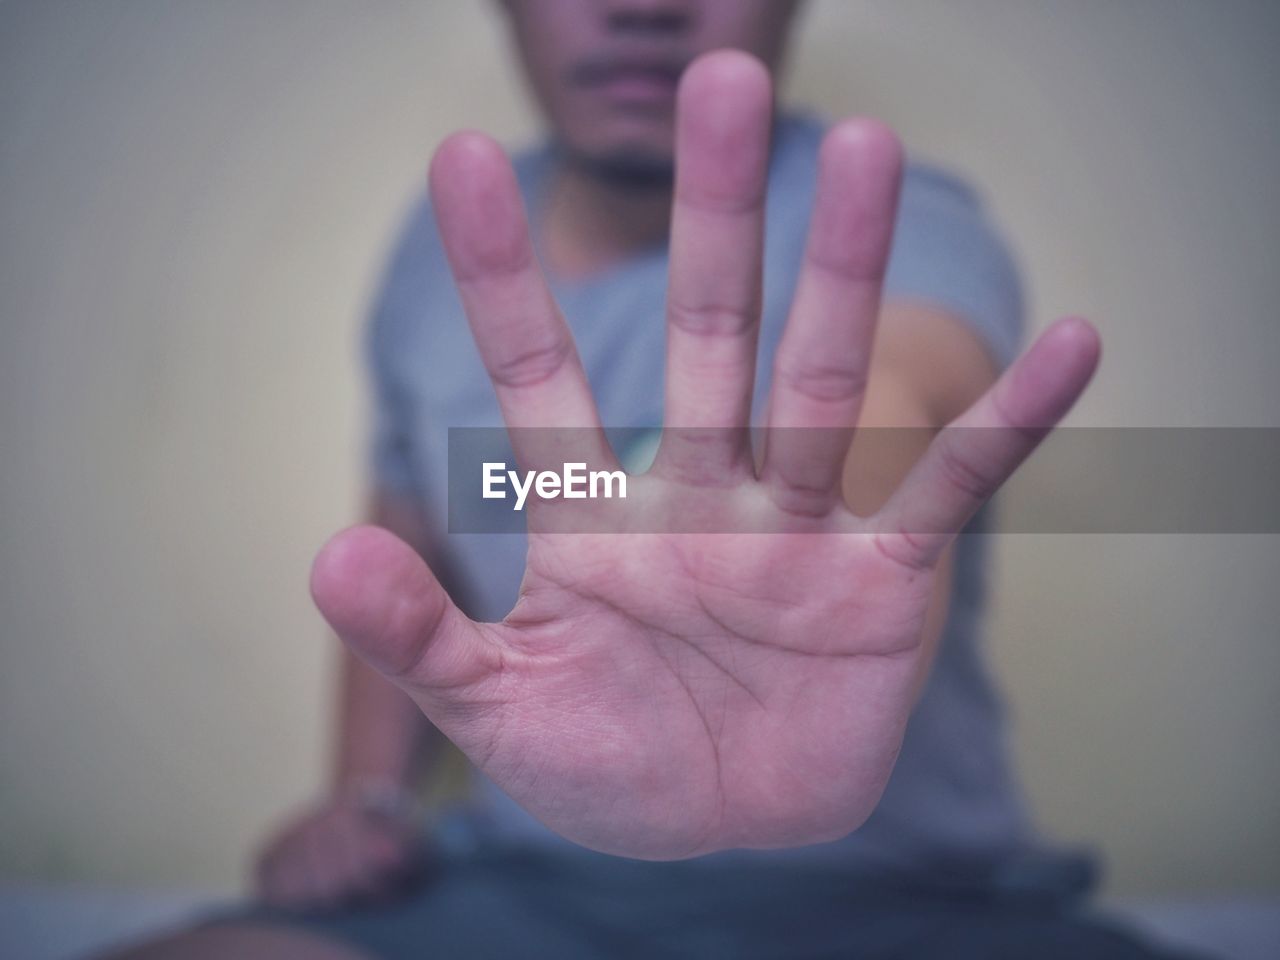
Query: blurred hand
[(338, 853), (663, 695)]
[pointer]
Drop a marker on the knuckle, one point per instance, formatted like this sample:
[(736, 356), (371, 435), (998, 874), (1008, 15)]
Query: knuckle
[(710, 319), (904, 549), (730, 198), (803, 498), (961, 473), (531, 366), (1029, 434), (826, 383), (863, 265)]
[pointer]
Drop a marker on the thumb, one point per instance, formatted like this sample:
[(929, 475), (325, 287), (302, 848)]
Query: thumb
[(390, 610)]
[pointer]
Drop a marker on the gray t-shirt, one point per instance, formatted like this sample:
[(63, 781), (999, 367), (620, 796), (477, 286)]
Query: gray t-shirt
[(952, 805)]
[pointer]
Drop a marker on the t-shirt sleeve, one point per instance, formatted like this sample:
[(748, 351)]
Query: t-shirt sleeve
[(390, 468), (387, 336), (947, 252)]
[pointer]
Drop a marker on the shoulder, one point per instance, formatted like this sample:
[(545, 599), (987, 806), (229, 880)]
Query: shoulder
[(949, 252), (410, 263), (798, 138)]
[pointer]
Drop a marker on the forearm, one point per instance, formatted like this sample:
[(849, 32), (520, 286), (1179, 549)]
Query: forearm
[(382, 736)]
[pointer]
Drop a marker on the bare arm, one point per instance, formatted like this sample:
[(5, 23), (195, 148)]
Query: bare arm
[(927, 368), (362, 840)]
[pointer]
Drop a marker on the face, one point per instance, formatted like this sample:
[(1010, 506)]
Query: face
[(605, 71)]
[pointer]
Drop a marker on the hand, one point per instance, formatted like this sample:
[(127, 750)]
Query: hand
[(664, 695), (341, 852)]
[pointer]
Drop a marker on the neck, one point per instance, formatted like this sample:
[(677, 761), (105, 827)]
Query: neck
[(592, 223)]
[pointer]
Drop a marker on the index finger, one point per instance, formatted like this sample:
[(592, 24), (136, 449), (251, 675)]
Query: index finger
[(523, 339)]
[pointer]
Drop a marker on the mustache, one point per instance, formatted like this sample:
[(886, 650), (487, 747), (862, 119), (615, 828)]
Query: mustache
[(594, 71)]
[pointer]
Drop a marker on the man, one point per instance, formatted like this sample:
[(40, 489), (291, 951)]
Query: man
[(710, 718)]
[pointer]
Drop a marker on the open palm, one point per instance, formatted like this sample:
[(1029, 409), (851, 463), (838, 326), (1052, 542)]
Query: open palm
[(660, 692)]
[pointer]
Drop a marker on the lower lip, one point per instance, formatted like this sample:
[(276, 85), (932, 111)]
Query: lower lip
[(639, 89)]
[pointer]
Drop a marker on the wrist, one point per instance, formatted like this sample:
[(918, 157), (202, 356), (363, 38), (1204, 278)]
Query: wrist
[(385, 797)]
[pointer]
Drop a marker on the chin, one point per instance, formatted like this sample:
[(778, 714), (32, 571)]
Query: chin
[(637, 165)]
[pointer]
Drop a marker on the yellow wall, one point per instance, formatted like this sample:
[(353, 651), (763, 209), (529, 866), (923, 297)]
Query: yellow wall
[(194, 202)]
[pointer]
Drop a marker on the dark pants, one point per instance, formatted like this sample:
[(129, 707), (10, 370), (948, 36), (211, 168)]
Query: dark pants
[(512, 903)]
